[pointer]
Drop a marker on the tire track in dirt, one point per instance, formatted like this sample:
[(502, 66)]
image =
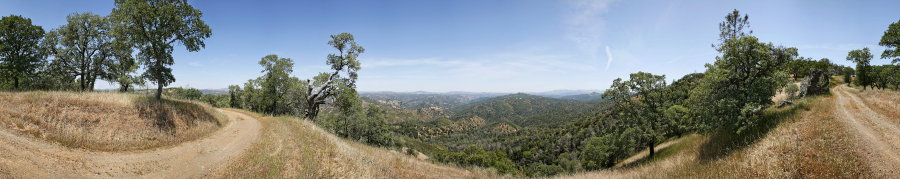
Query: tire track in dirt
[(22, 157), (879, 136)]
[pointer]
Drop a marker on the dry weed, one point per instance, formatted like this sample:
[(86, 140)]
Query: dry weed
[(106, 121)]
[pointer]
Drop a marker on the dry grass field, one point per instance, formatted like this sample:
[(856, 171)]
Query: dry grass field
[(294, 148), (882, 101), (106, 121)]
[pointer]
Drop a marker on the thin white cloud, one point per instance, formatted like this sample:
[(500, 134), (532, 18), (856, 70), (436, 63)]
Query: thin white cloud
[(492, 66), (586, 24), (609, 58)]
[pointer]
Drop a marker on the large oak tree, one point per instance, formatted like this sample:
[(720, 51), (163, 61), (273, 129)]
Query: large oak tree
[(84, 48), (154, 26), (20, 52), (862, 58), (345, 66), (891, 40)]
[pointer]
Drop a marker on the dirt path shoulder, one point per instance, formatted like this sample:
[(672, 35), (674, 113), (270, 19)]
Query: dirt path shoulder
[(878, 135), (22, 157)]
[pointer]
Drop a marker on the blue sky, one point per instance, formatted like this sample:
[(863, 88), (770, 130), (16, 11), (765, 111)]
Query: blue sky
[(495, 46)]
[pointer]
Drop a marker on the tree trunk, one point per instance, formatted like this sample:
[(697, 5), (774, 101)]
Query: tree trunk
[(312, 111), (15, 82), (159, 88), (123, 88), (92, 82), (652, 146), (82, 81)]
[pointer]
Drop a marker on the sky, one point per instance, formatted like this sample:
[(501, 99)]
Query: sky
[(494, 45)]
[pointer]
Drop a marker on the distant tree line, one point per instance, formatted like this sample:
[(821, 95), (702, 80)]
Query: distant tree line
[(136, 34)]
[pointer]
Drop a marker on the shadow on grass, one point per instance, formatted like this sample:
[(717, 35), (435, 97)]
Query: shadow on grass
[(683, 144), (166, 112), (724, 142)]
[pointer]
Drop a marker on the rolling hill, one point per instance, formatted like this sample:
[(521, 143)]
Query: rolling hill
[(526, 110)]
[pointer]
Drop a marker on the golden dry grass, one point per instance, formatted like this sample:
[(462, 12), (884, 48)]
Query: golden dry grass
[(669, 158), (802, 141), (884, 102), (106, 121), (295, 148)]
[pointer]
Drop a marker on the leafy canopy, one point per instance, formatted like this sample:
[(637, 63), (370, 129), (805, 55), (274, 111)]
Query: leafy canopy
[(891, 40), (154, 26), (20, 53)]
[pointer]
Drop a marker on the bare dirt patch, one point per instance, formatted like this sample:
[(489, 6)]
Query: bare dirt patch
[(877, 134), (25, 157)]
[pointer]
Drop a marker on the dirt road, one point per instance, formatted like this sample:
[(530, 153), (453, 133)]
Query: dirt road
[(876, 133), (22, 157)]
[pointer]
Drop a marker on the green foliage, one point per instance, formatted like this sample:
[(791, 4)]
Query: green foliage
[(791, 90), (739, 84), (891, 41), (862, 58), (216, 100), (848, 74), (275, 93), (324, 85), (680, 119), (85, 48), (733, 27), (276, 84), (524, 109), (366, 125), (153, 27), (20, 54), (598, 152), (801, 67), (541, 169), (640, 103), (479, 157), (886, 76), (184, 93)]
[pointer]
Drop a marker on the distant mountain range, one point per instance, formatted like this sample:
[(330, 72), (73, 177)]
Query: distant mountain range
[(447, 100)]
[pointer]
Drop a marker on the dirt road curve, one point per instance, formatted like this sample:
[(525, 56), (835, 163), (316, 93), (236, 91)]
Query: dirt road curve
[(877, 134), (22, 157)]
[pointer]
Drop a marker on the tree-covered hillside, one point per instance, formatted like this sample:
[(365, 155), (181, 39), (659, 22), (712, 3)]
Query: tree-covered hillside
[(525, 110), (418, 100)]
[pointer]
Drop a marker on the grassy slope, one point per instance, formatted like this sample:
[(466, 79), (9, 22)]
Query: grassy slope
[(106, 121), (295, 148), (801, 141)]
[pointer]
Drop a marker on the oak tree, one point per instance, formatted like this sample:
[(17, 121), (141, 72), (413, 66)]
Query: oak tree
[(862, 58), (891, 40), (20, 52), (344, 66), (154, 27)]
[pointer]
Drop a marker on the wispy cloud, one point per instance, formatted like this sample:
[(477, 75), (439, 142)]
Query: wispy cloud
[(609, 58), (492, 66), (586, 24)]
